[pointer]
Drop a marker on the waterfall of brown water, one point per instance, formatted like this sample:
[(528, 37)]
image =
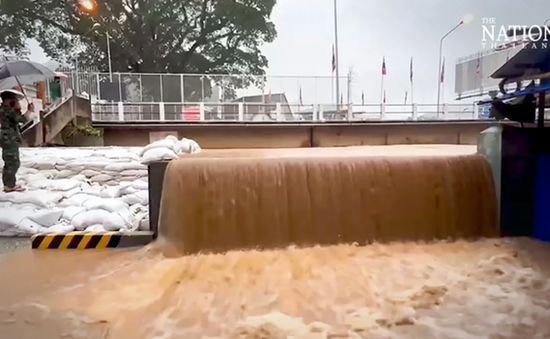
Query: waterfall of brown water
[(214, 205), (482, 289)]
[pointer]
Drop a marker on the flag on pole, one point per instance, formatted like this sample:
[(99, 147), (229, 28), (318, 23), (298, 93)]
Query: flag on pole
[(384, 71), (333, 59), (406, 97), (443, 71), (301, 101), (411, 74), (363, 98), (478, 68), (384, 101)]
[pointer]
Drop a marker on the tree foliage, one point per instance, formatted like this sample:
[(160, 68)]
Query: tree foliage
[(175, 36)]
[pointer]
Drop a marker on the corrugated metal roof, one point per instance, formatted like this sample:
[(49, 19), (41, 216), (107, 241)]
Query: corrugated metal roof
[(533, 60)]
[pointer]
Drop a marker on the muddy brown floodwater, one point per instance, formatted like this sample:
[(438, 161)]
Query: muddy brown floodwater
[(463, 289), (483, 289)]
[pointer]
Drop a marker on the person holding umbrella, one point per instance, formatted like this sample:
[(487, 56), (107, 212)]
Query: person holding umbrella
[(13, 74), (10, 138)]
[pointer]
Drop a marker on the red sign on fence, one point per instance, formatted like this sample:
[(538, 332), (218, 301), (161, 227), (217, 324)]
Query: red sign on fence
[(191, 113)]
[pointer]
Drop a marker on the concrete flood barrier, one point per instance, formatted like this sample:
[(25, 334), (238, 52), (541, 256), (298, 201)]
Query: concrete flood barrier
[(286, 135)]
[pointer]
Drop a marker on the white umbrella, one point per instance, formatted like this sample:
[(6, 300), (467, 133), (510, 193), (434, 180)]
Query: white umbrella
[(19, 95), (23, 72)]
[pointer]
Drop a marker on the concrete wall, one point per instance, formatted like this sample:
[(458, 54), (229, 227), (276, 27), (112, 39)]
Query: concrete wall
[(277, 135), (52, 125), (490, 145)]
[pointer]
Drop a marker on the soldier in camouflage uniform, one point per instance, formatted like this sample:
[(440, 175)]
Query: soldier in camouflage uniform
[(10, 139)]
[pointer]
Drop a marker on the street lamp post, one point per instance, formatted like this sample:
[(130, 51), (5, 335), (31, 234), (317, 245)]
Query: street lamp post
[(108, 38), (109, 56), (110, 61), (89, 6), (467, 19)]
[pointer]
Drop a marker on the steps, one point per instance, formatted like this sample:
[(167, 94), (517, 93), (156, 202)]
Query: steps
[(49, 128)]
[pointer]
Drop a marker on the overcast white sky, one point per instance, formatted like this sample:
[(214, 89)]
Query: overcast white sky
[(370, 29)]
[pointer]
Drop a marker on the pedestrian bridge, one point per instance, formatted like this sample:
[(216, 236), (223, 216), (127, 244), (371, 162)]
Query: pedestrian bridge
[(250, 125), (277, 112)]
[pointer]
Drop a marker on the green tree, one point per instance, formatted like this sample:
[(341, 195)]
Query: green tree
[(175, 36)]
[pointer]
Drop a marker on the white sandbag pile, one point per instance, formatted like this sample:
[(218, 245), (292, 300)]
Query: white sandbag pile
[(168, 149), (84, 189)]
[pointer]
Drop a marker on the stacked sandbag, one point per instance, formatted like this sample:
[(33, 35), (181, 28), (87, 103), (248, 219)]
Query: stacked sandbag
[(84, 189), (168, 149), (72, 189)]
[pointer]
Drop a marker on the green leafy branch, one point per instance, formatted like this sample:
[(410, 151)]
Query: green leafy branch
[(86, 130)]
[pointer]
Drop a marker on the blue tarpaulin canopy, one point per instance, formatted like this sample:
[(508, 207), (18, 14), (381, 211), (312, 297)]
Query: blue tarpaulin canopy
[(520, 93), (532, 62)]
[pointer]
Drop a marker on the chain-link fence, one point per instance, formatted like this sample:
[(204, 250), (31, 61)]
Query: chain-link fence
[(194, 88)]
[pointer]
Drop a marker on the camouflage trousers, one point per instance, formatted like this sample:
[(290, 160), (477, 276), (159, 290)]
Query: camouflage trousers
[(10, 155)]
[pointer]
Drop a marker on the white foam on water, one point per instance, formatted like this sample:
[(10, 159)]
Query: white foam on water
[(483, 289)]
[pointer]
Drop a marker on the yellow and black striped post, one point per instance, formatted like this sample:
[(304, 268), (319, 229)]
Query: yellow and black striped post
[(89, 240)]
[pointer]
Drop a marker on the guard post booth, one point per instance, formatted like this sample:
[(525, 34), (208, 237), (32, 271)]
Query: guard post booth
[(519, 152)]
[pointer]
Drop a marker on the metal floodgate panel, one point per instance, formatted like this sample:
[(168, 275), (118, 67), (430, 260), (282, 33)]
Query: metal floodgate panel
[(90, 240)]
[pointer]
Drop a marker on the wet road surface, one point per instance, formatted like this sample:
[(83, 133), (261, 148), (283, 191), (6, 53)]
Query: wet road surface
[(10, 245)]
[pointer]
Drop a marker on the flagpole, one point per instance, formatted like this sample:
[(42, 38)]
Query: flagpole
[(412, 92), (301, 99), (480, 76), (443, 95), (332, 87), (263, 90), (381, 93), (336, 56), (382, 90), (412, 81)]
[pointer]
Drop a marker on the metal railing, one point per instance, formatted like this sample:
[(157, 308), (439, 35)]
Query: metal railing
[(276, 112)]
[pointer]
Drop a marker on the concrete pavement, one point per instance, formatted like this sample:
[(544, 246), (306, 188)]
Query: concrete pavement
[(10, 245)]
